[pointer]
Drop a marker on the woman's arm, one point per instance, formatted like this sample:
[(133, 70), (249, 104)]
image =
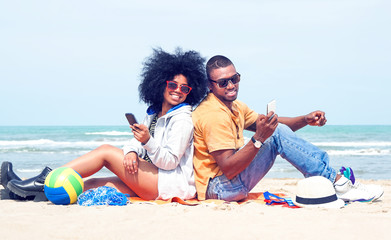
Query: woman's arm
[(168, 153), (133, 146)]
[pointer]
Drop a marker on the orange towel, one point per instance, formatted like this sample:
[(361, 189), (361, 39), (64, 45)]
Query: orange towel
[(252, 197)]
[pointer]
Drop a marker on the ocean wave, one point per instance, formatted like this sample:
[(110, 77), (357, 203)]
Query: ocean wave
[(29, 170), (111, 133), (26, 173), (353, 144), (47, 143), (282, 169), (360, 152), (26, 142), (77, 152)]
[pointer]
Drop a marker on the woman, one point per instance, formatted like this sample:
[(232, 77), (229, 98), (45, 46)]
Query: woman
[(158, 162)]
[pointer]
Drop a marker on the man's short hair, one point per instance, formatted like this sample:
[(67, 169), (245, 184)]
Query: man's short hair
[(216, 62)]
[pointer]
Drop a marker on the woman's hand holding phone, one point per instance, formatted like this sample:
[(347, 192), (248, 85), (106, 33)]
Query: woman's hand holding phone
[(140, 132)]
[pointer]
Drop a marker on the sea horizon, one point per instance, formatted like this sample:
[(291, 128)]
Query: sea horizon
[(365, 148)]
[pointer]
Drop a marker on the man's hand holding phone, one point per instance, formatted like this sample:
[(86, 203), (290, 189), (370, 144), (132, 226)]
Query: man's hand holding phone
[(266, 125), (271, 108)]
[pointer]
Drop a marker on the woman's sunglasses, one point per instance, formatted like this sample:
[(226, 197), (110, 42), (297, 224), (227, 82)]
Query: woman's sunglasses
[(223, 83), (171, 85)]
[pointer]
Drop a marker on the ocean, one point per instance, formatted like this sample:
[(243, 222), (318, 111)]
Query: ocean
[(367, 149)]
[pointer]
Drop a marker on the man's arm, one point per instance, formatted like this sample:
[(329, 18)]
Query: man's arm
[(294, 123), (252, 127), (316, 118), (232, 163)]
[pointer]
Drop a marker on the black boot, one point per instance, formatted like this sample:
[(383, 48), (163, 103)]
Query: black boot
[(6, 194), (30, 187), (7, 174)]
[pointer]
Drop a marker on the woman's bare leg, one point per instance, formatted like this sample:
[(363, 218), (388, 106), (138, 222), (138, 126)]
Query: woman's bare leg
[(144, 182)]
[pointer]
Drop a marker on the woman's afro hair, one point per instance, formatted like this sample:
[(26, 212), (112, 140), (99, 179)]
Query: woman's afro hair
[(162, 66)]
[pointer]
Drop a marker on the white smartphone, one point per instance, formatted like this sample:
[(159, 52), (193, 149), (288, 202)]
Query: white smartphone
[(271, 106)]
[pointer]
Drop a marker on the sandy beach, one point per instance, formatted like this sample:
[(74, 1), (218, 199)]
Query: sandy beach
[(43, 220)]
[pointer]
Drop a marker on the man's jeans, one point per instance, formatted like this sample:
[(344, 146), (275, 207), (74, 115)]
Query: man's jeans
[(307, 158)]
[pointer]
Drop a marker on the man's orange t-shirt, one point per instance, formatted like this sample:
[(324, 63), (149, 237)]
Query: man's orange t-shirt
[(216, 127)]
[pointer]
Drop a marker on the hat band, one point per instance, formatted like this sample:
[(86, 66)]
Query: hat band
[(316, 200)]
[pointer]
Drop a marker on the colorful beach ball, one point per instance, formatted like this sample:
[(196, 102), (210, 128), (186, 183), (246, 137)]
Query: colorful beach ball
[(63, 185)]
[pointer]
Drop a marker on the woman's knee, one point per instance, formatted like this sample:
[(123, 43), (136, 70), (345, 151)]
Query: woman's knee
[(108, 150), (106, 147)]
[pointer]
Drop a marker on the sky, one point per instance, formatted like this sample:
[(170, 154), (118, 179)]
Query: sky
[(79, 62)]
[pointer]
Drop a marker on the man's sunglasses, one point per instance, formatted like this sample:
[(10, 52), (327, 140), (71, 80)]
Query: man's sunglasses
[(171, 85), (223, 83)]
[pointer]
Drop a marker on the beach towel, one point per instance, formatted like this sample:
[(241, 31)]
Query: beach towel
[(259, 197), (110, 196)]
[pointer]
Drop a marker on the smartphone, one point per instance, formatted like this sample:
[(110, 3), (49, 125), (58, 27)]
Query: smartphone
[(271, 106), (131, 118)]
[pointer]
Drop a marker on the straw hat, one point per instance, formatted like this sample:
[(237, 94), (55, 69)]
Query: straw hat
[(317, 191)]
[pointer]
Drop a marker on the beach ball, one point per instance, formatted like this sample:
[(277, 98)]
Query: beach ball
[(63, 185)]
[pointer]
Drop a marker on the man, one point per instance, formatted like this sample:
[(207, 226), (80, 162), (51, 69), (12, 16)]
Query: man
[(227, 169)]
